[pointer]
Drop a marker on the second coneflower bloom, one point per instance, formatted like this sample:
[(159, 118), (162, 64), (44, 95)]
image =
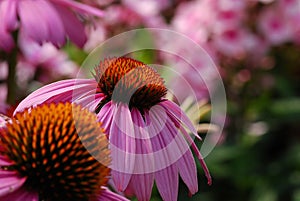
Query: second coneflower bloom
[(148, 134), (54, 152)]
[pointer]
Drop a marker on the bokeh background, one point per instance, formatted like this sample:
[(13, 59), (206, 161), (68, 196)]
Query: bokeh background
[(255, 45)]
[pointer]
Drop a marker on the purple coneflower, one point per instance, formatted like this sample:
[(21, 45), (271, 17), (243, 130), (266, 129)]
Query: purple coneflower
[(147, 133), (44, 156), (42, 21)]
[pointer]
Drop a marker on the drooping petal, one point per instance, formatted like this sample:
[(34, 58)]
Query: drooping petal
[(198, 155), (106, 115), (167, 183), (171, 151), (46, 27), (65, 90), (177, 113), (81, 7), (168, 143), (142, 180), (122, 145), (188, 171), (8, 15), (107, 195), (73, 26), (141, 185), (21, 195), (10, 183)]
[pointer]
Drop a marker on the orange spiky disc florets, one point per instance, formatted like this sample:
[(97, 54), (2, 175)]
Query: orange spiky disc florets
[(130, 81), (57, 147)]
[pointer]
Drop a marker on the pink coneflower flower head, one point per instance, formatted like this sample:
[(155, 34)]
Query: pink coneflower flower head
[(43, 156), (43, 21), (148, 134)]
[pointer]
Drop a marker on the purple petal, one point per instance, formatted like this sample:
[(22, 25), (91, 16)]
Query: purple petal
[(73, 26), (4, 161), (65, 90), (167, 183), (40, 25), (141, 185), (8, 15), (21, 195), (91, 101), (106, 115), (171, 148), (188, 171), (168, 138), (81, 7), (141, 182), (177, 113), (198, 155), (6, 42), (10, 183), (107, 195), (122, 146)]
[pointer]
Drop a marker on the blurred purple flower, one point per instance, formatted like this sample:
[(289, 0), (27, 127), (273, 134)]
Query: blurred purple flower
[(274, 25), (43, 21), (147, 137), (44, 63)]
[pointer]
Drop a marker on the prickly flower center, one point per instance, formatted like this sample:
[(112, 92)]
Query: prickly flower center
[(55, 147), (129, 81)]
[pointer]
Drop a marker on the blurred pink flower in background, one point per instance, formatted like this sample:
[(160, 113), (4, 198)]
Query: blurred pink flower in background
[(233, 42), (44, 63), (194, 19), (31, 20), (146, 132), (273, 24)]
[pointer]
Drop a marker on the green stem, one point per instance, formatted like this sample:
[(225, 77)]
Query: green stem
[(11, 59)]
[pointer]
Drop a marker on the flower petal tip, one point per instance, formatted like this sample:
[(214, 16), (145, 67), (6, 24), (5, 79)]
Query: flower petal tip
[(209, 181)]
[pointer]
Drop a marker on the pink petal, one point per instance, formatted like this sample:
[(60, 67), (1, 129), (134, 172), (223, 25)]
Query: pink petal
[(122, 146), (4, 161), (91, 101), (167, 183), (171, 148), (106, 115), (168, 139), (167, 152), (141, 185), (6, 43), (73, 26), (188, 171), (6, 174), (10, 183), (21, 195), (80, 7), (177, 113), (142, 180), (198, 155), (107, 195), (179, 149), (40, 25), (65, 90), (8, 15)]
